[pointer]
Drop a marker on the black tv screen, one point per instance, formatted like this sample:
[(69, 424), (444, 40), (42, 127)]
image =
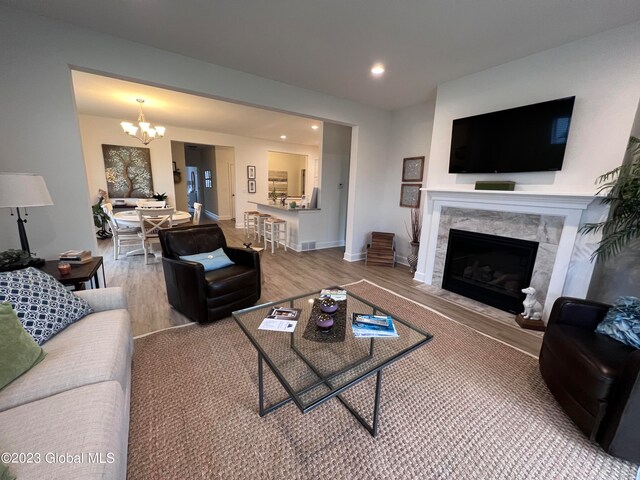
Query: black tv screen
[(532, 138)]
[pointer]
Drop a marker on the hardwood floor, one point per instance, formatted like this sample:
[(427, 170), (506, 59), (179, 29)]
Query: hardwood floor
[(287, 274)]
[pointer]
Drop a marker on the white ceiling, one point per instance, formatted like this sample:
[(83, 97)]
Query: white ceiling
[(110, 97), (330, 45)]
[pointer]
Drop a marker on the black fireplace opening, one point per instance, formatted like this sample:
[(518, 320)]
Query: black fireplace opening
[(489, 268)]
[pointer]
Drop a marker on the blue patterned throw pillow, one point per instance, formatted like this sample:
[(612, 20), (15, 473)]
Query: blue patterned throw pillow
[(622, 321), (43, 305)]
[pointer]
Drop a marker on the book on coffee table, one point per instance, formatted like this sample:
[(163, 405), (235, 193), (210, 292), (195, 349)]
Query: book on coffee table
[(283, 313), (372, 326), (335, 293)]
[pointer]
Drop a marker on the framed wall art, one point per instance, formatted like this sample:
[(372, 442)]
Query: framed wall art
[(128, 171), (279, 181), (251, 186), (412, 169), (410, 195), (251, 172)]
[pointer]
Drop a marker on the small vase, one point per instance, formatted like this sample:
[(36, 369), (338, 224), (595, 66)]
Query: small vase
[(412, 258)]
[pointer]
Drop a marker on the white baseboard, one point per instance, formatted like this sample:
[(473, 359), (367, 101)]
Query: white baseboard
[(353, 257)]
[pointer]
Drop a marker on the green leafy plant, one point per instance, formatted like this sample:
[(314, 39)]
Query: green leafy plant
[(160, 196), (100, 220), (273, 195), (622, 185), (12, 257)]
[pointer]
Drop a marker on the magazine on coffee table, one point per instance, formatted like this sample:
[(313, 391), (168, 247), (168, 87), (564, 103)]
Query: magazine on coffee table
[(287, 326), (372, 326)]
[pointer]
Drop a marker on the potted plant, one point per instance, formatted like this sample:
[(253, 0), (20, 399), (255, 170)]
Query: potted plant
[(622, 185), (414, 237), (13, 259), (160, 196), (100, 220), (273, 195)]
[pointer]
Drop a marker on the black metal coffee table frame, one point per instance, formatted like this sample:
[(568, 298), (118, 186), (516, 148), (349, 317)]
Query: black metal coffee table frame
[(326, 378)]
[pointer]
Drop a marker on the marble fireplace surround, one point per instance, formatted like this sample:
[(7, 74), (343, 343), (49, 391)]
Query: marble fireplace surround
[(552, 219)]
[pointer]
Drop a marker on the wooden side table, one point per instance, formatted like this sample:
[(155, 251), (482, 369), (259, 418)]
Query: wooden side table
[(85, 272)]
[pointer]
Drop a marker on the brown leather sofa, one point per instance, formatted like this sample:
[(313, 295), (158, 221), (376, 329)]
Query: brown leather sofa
[(595, 378), (206, 296)]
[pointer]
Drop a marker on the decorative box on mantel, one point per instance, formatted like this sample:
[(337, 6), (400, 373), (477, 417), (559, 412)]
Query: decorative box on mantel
[(553, 219)]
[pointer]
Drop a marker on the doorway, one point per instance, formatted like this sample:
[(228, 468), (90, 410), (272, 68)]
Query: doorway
[(193, 194), (209, 179)]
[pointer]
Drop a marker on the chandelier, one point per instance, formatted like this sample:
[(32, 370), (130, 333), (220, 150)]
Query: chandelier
[(147, 133)]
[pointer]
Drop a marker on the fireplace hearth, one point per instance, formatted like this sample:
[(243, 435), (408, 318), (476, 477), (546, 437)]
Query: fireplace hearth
[(489, 268)]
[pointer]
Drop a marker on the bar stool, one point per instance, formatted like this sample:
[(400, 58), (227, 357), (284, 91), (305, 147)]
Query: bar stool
[(248, 222), (274, 228), (258, 225)]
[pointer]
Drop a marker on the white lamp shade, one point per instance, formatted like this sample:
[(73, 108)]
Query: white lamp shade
[(23, 190)]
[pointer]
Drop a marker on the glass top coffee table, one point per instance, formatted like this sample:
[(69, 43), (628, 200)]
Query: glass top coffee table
[(314, 367)]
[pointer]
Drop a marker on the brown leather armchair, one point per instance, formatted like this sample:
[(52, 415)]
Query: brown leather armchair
[(594, 378), (206, 296)]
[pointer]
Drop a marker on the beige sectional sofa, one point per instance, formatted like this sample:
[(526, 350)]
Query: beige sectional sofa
[(69, 415)]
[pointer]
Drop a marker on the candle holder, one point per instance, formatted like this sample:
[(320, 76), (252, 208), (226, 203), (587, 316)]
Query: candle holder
[(64, 268)]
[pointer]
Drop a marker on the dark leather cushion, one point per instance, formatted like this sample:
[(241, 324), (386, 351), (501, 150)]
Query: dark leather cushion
[(230, 279), (189, 241), (587, 363)]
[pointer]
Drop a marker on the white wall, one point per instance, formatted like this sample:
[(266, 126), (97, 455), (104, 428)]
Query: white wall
[(96, 131), (179, 189), (602, 71), (410, 137), (332, 196), (36, 95)]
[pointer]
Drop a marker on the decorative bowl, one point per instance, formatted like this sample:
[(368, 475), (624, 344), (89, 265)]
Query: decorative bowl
[(324, 322), (328, 305)]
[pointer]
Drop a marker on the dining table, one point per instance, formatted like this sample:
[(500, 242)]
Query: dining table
[(129, 218)]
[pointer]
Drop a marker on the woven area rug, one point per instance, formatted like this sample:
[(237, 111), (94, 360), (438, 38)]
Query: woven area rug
[(461, 407)]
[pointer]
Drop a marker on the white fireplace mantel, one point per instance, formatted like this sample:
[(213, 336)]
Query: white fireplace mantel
[(568, 205)]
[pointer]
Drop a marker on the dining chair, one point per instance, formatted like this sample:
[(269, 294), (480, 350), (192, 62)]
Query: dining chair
[(122, 236), (197, 210), (152, 220)]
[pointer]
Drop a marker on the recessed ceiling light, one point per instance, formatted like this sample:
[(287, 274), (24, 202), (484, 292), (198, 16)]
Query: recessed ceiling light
[(283, 137), (315, 127), (377, 69)]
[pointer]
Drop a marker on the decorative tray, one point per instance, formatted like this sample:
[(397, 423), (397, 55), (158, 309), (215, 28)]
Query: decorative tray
[(337, 332)]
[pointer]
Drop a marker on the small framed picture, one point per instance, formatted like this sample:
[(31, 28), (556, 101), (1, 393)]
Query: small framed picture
[(251, 171), (251, 186), (410, 195), (412, 169)]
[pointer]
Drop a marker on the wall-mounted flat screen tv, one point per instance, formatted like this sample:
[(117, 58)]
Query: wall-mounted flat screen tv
[(532, 138)]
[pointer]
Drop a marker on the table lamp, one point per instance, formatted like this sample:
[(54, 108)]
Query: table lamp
[(22, 190)]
